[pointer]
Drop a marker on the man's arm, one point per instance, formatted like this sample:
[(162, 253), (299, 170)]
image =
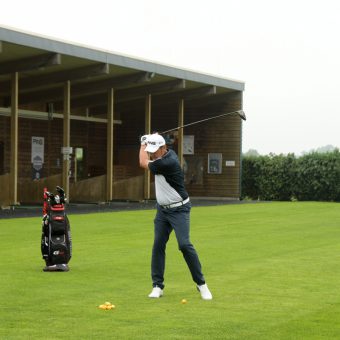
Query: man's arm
[(143, 157)]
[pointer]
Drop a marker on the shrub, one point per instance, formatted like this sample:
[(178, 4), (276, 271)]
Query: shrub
[(315, 176)]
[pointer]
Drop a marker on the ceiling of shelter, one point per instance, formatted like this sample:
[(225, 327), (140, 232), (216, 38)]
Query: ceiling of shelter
[(42, 75)]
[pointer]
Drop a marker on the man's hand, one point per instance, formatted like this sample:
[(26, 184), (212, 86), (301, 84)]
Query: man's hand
[(144, 139)]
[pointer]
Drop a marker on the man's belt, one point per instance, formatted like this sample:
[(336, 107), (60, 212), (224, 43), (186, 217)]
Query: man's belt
[(177, 204)]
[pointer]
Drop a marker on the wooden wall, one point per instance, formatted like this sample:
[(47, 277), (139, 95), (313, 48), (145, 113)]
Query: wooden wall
[(5, 130), (33, 191), (90, 136), (222, 135), (4, 192), (217, 136)]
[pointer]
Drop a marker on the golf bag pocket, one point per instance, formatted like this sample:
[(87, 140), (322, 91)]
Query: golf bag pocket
[(58, 227), (59, 250), (58, 222)]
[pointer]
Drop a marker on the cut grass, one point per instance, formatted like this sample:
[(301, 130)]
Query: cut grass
[(273, 269)]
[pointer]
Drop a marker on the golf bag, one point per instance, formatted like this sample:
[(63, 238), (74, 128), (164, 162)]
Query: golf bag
[(56, 242)]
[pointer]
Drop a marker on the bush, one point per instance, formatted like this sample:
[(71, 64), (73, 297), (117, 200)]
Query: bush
[(319, 177), (314, 177)]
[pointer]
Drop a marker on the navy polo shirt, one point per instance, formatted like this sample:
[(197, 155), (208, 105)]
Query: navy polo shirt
[(169, 179)]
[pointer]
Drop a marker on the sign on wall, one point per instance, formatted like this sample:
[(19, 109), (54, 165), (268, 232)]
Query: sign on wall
[(214, 163), (37, 157), (188, 144), (230, 163)]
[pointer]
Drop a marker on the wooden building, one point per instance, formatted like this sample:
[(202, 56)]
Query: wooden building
[(72, 116)]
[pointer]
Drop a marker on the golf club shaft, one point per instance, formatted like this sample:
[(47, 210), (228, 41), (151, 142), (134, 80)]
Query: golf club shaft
[(239, 112)]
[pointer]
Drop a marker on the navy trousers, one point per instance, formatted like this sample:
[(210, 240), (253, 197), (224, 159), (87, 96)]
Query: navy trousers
[(166, 220)]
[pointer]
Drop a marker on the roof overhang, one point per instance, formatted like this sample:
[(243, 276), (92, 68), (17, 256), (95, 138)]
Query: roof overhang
[(44, 64)]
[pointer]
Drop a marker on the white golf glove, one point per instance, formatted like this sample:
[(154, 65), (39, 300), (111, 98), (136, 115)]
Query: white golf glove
[(144, 139)]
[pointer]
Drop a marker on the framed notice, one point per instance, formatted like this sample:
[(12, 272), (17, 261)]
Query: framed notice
[(37, 157), (188, 144), (214, 163), (37, 153)]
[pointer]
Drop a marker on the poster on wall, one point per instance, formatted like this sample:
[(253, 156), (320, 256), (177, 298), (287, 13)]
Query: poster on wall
[(37, 157), (214, 163), (188, 144)]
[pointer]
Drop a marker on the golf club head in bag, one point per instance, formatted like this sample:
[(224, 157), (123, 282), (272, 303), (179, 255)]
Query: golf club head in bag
[(56, 242)]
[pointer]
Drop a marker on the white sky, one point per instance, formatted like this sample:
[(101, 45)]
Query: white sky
[(286, 51)]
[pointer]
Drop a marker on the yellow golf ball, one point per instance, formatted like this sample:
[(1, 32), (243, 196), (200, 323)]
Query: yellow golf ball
[(107, 306), (184, 301)]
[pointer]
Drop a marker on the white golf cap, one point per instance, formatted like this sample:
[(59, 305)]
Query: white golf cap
[(154, 142)]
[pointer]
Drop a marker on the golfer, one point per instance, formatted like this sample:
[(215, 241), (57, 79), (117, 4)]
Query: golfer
[(173, 212)]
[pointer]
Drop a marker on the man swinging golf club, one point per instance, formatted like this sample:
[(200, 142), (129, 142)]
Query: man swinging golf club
[(173, 212)]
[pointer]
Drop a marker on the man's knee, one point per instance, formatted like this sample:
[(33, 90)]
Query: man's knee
[(159, 243), (185, 247)]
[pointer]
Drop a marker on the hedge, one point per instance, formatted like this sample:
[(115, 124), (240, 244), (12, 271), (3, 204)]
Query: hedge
[(312, 177)]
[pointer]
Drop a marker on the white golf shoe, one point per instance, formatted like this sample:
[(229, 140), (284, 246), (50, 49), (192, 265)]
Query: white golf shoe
[(156, 293), (205, 292)]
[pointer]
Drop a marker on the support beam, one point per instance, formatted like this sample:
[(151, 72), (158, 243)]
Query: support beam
[(113, 82), (14, 139), (180, 131), (186, 94), (109, 148), (217, 99), (66, 137), (31, 63), (89, 100), (85, 72), (129, 94), (99, 87), (160, 101), (29, 114), (147, 131), (157, 88)]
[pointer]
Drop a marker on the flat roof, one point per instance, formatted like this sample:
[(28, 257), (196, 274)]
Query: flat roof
[(97, 55)]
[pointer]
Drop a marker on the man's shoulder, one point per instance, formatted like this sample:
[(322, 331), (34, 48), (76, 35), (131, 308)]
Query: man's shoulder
[(170, 158), (171, 154), (168, 161)]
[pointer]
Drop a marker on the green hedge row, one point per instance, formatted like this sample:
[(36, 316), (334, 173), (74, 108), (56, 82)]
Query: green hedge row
[(312, 177)]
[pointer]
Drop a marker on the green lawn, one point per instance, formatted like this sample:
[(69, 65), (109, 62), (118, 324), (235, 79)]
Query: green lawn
[(273, 269)]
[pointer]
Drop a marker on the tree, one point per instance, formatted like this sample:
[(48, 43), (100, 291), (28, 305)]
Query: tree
[(251, 153)]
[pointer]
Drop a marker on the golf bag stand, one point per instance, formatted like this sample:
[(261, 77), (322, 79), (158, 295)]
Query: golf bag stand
[(56, 242)]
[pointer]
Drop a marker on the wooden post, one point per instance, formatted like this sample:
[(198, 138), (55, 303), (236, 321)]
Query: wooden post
[(14, 139), (109, 148), (147, 131), (180, 131), (66, 137)]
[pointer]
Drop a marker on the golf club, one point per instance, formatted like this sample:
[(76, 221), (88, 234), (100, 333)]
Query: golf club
[(240, 113)]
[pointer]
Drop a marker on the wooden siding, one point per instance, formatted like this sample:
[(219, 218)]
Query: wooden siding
[(33, 191), (221, 135), (4, 190), (217, 136), (5, 131)]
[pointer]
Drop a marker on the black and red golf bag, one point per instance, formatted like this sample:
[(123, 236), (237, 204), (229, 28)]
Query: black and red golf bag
[(56, 242)]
